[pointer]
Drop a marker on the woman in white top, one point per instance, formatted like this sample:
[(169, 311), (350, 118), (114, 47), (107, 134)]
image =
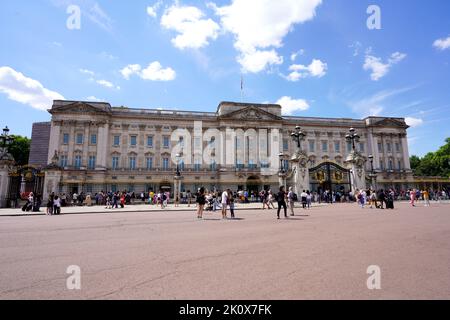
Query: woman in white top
[(224, 203)]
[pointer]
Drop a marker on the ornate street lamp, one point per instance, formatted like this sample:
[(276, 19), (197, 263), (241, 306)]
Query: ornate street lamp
[(5, 139), (298, 136), (352, 137), (281, 156), (178, 156), (372, 175)]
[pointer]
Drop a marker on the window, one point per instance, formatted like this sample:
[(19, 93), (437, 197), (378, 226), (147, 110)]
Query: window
[(399, 165), (63, 161), (79, 139), (251, 164), (381, 164), (286, 165), (380, 147), (337, 147), (197, 166), (397, 147), (89, 188), (324, 146), (133, 141), (181, 165), (91, 163), (349, 147), (116, 141), (150, 141), (389, 147), (132, 161), (361, 147), (77, 162), (212, 166), (285, 145), (93, 139), (391, 165), (311, 146), (114, 188), (165, 163), (149, 163), (115, 163), (166, 142), (66, 138)]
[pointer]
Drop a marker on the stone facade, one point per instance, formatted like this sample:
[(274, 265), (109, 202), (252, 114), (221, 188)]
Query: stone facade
[(101, 147)]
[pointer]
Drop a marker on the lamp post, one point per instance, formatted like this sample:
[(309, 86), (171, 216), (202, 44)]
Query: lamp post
[(178, 157), (5, 139), (281, 172), (298, 136), (352, 137), (372, 175)]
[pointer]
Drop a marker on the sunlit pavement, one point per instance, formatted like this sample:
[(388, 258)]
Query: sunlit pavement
[(323, 253)]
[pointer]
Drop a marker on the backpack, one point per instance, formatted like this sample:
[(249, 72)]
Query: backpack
[(294, 196)]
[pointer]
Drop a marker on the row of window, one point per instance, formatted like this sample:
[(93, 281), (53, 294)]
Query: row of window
[(79, 138), (325, 146), (388, 147), (390, 165)]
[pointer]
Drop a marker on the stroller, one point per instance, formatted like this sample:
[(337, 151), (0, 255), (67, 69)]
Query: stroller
[(27, 207)]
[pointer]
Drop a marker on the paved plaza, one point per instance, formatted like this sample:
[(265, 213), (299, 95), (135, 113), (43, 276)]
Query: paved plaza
[(323, 253)]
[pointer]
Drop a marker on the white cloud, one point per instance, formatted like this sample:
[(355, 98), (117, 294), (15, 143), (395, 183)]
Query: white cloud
[(152, 10), (374, 105), (99, 17), (316, 69), (294, 55), (262, 24), (26, 90), (130, 70), (442, 44), (93, 98), (89, 72), (380, 69), (194, 31), (289, 106), (154, 72), (258, 60), (413, 122), (107, 84)]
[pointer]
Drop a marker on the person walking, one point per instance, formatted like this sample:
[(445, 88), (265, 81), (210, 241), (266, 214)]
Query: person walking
[(200, 202), (291, 200), (225, 203), (426, 198), (57, 205), (49, 205), (412, 195), (308, 199), (304, 198), (281, 195), (231, 203), (270, 200)]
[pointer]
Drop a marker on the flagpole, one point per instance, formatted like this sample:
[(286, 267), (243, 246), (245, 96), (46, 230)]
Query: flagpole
[(242, 88)]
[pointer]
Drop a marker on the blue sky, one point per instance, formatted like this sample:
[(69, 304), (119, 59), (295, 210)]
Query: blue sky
[(316, 58)]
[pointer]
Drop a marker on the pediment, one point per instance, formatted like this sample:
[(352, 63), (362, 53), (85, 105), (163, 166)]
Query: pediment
[(250, 113), (79, 107), (389, 122)]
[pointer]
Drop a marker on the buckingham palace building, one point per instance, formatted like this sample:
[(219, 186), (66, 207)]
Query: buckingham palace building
[(92, 146)]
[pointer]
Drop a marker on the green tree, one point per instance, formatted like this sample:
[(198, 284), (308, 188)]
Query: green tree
[(20, 149), (433, 163)]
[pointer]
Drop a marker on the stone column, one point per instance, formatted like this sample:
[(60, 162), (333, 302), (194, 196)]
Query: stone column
[(301, 172), (102, 146), (4, 182), (405, 150), (53, 146), (356, 163)]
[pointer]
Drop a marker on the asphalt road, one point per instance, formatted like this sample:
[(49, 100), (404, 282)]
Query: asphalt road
[(323, 254)]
